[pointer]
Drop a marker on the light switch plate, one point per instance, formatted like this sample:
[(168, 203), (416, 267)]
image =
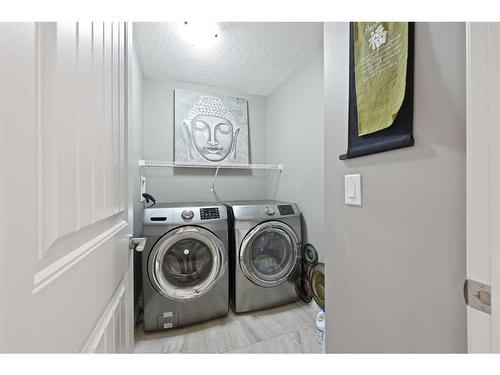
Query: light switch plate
[(352, 189)]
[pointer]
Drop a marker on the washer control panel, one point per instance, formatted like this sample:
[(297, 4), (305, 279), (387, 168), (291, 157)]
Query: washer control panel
[(285, 209), (182, 214), (209, 213)]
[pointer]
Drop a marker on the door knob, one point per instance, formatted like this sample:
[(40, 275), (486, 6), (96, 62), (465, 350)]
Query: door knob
[(136, 243)]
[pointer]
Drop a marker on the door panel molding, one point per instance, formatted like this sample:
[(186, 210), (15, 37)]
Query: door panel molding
[(111, 319), (48, 274), (66, 309), (69, 242), (80, 78)]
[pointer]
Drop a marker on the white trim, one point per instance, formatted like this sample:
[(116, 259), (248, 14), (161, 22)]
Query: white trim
[(44, 277), (483, 179)]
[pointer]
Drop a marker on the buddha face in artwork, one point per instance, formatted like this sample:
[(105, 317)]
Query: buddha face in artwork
[(210, 129)]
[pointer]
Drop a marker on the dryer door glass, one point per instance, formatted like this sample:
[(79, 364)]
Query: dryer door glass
[(269, 253), (187, 263)]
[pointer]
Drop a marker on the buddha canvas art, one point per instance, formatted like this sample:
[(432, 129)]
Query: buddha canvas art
[(210, 128)]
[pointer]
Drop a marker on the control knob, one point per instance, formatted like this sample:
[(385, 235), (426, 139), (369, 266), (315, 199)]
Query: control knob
[(269, 211), (187, 214)]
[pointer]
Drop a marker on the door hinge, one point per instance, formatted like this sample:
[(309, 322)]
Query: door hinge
[(478, 295)]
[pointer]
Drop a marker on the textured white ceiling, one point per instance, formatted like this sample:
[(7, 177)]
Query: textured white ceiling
[(250, 57)]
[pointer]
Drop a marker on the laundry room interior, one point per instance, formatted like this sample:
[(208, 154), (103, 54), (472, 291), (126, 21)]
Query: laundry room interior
[(248, 187), (222, 186), (274, 71)]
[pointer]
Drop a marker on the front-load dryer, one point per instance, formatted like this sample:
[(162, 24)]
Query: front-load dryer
[(265, 242), (184, 264)]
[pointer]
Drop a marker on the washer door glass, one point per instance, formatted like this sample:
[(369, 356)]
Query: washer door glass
[(186, 263), (269, 253)]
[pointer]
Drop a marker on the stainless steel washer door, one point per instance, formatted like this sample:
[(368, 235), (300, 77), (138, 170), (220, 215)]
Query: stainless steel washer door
[(269, 253), (187, 262)]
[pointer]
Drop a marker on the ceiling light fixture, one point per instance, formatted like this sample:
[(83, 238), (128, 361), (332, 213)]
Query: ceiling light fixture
[(200, 34)]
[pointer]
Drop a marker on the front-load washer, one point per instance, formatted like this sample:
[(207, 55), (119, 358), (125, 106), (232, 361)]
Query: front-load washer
[(184, 264), (265, 242)]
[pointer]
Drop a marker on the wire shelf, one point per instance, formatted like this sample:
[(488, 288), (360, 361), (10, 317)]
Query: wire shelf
[(165, 168), (177, 164)]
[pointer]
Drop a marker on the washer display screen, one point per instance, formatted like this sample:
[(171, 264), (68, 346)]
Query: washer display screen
[(209, 213), (286, 209)]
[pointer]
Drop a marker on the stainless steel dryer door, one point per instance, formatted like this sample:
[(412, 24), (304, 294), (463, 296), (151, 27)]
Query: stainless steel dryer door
[(187, 262), (269, 253)]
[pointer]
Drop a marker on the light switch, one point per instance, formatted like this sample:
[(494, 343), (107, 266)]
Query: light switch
[(352, 189)]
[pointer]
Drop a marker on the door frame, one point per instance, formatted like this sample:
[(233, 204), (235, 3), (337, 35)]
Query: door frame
[(133, 171), (483, 179)]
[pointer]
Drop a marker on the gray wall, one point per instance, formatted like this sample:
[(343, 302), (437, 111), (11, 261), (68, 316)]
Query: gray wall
[(136, 143), (135, 153), (295, 137), (396, 265), (189, 184)]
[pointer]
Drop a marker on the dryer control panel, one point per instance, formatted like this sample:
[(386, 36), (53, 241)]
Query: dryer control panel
[(209, 213)]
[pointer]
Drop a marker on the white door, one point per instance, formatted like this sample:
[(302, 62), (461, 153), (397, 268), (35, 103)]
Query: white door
[(65, 278), (483, 180)]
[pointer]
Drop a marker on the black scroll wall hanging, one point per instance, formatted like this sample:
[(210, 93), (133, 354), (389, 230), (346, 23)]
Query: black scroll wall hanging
[(381, 56)]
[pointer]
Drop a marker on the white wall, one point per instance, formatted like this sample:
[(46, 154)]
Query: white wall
[(194, 184), (396, 265), (295, 130)]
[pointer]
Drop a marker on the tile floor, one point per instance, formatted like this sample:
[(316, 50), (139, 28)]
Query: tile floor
[(284, 329)]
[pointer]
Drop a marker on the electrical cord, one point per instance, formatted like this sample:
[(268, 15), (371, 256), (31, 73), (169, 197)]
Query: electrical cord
[(212, 189), (149, 198)]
